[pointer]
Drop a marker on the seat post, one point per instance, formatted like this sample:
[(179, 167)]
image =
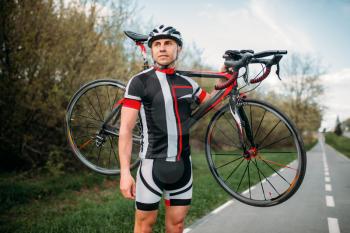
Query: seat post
[(144, 54)]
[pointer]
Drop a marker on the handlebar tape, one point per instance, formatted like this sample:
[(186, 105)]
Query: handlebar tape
[(262, 77), (228, 82)]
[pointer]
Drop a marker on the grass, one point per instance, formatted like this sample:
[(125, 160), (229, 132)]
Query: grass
[(90, 202), (340, 143)]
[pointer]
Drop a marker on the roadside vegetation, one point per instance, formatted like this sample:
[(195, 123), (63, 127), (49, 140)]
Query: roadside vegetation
[(340, 143)]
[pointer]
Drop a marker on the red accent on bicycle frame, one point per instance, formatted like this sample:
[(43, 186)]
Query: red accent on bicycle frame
[(173, 91), (142, 46), (118, 103), (227, 91), (130, 103), (223, 74)]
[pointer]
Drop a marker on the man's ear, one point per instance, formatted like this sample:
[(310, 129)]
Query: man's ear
[(179, 49)]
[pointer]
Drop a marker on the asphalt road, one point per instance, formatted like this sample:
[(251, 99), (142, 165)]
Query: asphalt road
[(321, 205)]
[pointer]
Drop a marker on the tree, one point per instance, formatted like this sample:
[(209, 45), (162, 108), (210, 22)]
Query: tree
[(48, 50), (338, 127), (302, 92)]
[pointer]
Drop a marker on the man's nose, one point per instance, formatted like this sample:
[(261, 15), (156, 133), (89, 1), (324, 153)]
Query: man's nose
[(162, 48)]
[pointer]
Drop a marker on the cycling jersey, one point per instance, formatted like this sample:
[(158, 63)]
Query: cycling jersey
[(164, 99)]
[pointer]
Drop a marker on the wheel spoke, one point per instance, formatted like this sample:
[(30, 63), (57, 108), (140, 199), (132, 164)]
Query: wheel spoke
[(245, 170), (273, 143), (99, 154), (99, 104), (257, 131), (262, 141), (101, 119), (275, 163), (257, 168), (276, 172), (234, 170), (250, 193), (228, 163)]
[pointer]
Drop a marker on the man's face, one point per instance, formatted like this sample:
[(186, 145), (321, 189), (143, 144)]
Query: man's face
[(164, 51)]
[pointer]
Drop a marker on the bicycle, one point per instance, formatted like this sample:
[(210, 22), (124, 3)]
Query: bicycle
[(253, 150)]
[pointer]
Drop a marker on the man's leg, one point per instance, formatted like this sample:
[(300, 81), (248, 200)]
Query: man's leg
[(175, 218), (144, 221)]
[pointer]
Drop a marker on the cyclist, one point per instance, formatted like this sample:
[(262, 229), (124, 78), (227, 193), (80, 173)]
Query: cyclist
[(163, 99)]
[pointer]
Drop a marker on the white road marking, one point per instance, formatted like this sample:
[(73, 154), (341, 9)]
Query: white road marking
[(217, 210), (333, 225), (326, 173), (328, 187), (187, 230), (329, 201), (327, 179)]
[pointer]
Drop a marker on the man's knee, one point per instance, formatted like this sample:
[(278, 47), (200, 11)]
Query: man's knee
[(144, 221), (175, 226)]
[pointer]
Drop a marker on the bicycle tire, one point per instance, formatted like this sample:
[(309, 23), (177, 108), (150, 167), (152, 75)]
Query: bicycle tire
[(87, 111), (275, 172)]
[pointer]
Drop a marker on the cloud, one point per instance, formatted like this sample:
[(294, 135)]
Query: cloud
[(254, 26), (336, 97)]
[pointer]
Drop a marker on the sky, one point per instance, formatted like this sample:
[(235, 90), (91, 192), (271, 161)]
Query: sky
[(317, 28)]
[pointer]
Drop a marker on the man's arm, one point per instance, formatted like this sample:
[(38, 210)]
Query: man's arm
[(219, 81), (128, 121)]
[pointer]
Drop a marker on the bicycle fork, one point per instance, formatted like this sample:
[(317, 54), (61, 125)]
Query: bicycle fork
[(243, 125)]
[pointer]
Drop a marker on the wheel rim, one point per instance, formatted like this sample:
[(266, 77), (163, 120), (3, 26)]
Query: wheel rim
[(95, 146), (246, 175)]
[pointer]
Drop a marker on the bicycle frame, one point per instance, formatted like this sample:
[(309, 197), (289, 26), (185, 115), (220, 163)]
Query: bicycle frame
[(231, 91)]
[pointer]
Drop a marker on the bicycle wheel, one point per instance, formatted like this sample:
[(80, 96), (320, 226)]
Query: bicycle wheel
[(266, 170), (92, 126)]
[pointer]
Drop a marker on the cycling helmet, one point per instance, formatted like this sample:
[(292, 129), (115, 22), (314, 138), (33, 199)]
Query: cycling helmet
[(164, 32)]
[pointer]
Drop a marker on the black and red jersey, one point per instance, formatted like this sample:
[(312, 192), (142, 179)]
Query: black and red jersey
[(164, 99)]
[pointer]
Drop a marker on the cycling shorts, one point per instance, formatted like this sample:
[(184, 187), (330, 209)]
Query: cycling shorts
[(162, 177)]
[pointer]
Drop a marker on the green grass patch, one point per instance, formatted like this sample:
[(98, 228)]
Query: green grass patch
[(76, 203), (92, 203), (340, 143)]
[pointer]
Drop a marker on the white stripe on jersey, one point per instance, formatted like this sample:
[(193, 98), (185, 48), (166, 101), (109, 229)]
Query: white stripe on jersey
[(169, 114), (143, 152), (127, 95)]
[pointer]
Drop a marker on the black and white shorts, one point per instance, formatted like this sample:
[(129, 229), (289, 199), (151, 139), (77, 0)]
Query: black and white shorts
[(159, 177)]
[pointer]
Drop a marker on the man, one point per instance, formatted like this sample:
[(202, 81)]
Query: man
[(163, 99)]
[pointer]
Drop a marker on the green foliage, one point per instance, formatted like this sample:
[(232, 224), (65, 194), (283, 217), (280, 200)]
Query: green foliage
[(338, 128), (340, 143), (48, 51)]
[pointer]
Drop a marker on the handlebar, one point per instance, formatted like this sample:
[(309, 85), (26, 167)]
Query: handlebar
[(238, 59)]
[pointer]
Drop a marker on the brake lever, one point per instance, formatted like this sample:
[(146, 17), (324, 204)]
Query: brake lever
[(278, 71)]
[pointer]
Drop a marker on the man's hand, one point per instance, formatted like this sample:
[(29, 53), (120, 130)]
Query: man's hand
[(127, 186)]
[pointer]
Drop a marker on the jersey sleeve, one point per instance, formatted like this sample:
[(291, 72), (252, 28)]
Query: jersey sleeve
[(134, 89), (198, 92), (134, 93)]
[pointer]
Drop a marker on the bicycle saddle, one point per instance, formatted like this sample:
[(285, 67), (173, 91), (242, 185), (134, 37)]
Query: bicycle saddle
[(136, 36)]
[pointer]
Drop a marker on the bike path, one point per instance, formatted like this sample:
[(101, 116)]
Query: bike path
[(309, 210)]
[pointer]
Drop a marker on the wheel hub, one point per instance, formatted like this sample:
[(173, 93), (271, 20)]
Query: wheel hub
[(250, 153)]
